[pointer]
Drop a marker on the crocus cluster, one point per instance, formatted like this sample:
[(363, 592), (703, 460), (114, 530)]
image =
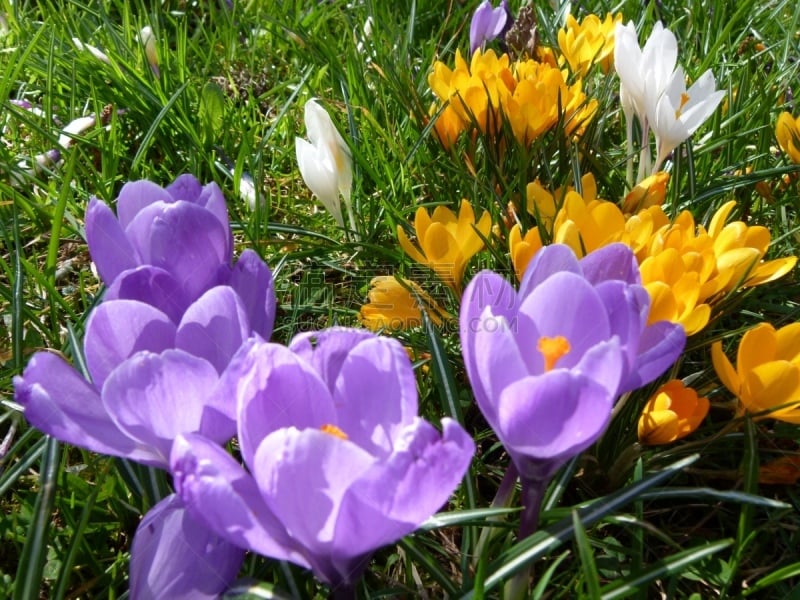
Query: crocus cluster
[(529, 96), (176, 310), (178, 364), (685, 267)]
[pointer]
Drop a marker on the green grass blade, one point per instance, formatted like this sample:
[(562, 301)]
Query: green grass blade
[(588, 565), (34, 553), (669, 566), (542, 542)]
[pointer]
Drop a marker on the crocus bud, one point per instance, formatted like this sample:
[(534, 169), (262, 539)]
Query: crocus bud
[(148, 40), (672, 413), (325, 162)]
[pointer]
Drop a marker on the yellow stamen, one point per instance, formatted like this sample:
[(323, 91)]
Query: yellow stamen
[(684, 100), (552, 348), (334, 431)]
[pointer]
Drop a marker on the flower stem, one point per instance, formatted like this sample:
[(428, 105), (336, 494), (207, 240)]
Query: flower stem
[(502, 499), (532, 496), (644, 153), (344, 592), (629, 150), (352, 219)]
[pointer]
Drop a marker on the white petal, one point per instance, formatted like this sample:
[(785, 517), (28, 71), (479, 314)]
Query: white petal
[(317, 169)]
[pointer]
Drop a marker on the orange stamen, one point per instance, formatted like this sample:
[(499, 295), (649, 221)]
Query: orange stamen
[(334, 431), (552, 349), (684, 99)]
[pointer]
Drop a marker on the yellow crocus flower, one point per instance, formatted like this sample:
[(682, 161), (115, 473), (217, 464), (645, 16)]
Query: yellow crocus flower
[(672, 413), (674, 291), (742, 248), (767, 373), (588, 43), (523, 248), (787, 130), (651, 191), (396, 305), (446, 241)]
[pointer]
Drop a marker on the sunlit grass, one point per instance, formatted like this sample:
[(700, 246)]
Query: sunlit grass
[(227, 107)]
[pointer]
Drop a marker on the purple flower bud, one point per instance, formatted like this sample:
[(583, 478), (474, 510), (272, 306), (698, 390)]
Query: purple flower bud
[(489, 23)]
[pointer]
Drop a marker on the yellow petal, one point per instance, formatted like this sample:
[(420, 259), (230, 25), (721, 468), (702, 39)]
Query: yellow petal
[(408, 247), (758, 345), (772, 385), (771, 270), (725, 371), (788, 342), (719, 218)]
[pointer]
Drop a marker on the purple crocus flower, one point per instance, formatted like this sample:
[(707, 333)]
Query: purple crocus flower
[(150, 378), (547, 363), (489, 23), (174, 555), (167, 246), (338, 462)]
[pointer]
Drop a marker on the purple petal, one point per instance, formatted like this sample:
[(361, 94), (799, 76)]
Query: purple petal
[(627, 307), (252, 280), (58, 401), (214, 327), (213, 200), (154, 397), (312, 469), (659, 347), (394, 497), (135, 196), (546, 420), (184, 239), (604, 364), (175, 556), (496, 364), (560, 306), (109, 247), (375, 364), (615, 262), (218, 491), (550, 260), (487, 24), (117, 329), (277, 389), (488, 301), (326, 350), (150, 285), (186, 187)]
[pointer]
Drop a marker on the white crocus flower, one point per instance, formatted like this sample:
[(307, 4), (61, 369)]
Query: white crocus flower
[(644, 74), (679, 112), (325, 162)]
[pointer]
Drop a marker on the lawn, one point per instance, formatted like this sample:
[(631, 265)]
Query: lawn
[(396, 299)]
